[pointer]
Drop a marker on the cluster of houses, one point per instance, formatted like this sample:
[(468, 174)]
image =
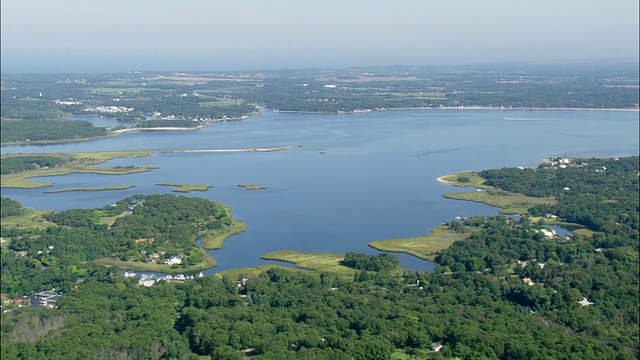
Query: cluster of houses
[(110, 109), (148, 280), (156, 257)]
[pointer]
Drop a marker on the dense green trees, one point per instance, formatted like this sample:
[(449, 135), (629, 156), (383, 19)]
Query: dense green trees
[(16, 164), (506, 292), (366, 262), (57, 256), (10, 207), (48, 130)]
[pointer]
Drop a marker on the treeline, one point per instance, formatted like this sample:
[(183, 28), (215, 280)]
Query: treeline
[(48, 130), (289, 315), (10, 207), (360, 261), (29, 113), (16, 164)]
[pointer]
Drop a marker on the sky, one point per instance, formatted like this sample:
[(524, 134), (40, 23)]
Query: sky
[(52, 36)]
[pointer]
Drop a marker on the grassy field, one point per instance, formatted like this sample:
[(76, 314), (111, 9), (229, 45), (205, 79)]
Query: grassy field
[(509, 203), (252, 187), (30, 219), (214, 240), (104, 188), (184, 188), (325, 262), (424, 247)]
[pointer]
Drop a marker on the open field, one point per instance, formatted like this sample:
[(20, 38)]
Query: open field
[(214, 240), (123, 89), (425, 246), (30, 219), (184, 188), (326, 262), (104, 188)]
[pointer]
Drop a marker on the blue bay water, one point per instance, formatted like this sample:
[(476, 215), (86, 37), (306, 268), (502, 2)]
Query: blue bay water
[(348, 180)]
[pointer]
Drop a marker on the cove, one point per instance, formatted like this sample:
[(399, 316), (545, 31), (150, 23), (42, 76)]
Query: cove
[(348, 180)]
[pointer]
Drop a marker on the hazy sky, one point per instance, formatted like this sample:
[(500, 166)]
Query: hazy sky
[(122, 35)]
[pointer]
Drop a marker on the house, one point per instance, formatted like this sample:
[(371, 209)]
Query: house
[(436, 347), (146, 282), (585, 302), (174, 260)]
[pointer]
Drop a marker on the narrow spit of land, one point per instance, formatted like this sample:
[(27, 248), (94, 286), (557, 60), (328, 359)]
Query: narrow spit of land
[(86, 163)]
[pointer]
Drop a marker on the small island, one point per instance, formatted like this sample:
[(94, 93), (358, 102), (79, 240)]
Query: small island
[(104, 188), (252, 187), (184, 188)]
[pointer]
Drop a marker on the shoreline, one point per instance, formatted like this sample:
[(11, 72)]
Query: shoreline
[(157, 129), (281, 148), (118, 132), (473, 107)]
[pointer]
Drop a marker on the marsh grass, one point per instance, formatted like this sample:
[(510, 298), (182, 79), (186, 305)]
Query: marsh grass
[(104, 188), (252, 187), (324, 262), (213, 240), (425, 246), (184, 188), (30, 219), (509, 203)]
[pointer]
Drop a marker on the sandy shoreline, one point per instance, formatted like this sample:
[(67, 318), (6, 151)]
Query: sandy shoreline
[(158, 129), (238, 150), (442, 180), (456, 108)]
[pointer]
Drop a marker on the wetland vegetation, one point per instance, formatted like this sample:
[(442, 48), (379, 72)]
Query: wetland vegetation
[(252, 187), (184, 188)]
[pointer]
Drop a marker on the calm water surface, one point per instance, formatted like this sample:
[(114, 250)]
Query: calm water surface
[(349, 180)]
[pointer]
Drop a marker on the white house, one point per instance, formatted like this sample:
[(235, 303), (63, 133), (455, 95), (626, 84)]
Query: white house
[(174, 260)]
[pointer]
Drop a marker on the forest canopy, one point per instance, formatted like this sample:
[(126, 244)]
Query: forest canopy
[(511, 290)]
